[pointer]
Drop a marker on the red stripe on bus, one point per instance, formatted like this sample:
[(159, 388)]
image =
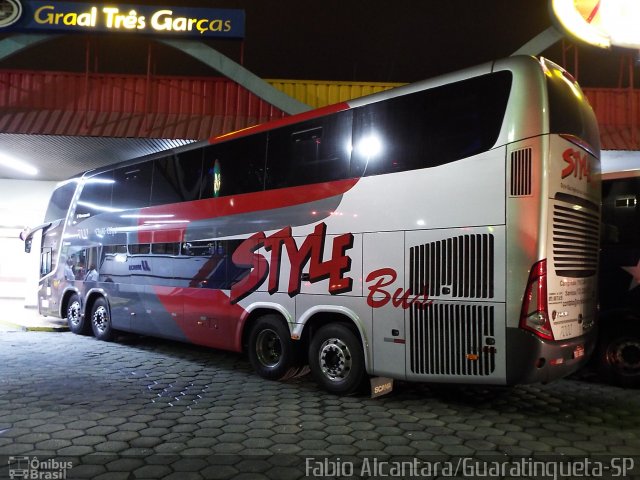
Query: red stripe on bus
[(282, 122), (205, 316), (174, 218)]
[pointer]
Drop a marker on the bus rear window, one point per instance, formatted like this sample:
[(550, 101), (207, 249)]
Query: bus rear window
[(569, 113)]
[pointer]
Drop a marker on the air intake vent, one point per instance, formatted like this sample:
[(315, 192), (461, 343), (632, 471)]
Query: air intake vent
[(521, 173), (452, 339), (576, 230), (460, 267)]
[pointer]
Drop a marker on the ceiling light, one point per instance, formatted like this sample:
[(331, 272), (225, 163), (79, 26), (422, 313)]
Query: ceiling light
[(17, 165)]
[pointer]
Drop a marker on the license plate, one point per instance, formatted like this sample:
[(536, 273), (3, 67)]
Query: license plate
[(578, 351)]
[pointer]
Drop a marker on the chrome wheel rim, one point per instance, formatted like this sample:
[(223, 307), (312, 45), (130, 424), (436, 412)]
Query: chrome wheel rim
[(268, 348), (101, 319), (335, 359), (73, 313)]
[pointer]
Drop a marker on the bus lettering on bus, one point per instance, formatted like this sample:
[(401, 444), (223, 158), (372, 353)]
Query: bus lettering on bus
[(311, 251), (577, 164)]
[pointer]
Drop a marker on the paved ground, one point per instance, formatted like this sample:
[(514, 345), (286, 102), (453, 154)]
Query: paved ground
[(146, 408)]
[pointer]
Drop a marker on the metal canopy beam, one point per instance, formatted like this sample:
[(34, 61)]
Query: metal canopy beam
[(540, 42), (238, 74), (15, 43)]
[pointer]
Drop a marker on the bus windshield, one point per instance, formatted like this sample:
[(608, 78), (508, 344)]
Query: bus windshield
[(569, 110)]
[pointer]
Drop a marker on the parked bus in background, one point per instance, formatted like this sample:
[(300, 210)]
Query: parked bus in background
[(617, 357), (445, 231)]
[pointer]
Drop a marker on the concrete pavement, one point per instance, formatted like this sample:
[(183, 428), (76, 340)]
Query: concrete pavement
[(146, 408)]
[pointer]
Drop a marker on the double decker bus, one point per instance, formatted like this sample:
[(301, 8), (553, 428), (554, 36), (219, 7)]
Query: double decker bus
[(444, 231)]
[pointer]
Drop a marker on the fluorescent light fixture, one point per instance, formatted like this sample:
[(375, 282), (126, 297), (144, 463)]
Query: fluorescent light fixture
[(18, 165)]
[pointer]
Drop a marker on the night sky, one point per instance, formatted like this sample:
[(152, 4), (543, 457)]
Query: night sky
[(344, 40)]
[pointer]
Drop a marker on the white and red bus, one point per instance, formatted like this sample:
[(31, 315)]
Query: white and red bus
[(445, 231)]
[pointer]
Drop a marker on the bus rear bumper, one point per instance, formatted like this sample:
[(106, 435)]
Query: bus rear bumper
[(533, 360)]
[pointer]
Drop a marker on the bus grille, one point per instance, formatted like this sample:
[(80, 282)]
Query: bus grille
[(460, 266), (576, 230), (449, 339), (521, 173)]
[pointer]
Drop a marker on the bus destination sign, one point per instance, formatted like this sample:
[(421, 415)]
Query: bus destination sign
[(58, 17)]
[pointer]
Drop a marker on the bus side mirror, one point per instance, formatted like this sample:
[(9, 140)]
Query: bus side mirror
[(27, 239)]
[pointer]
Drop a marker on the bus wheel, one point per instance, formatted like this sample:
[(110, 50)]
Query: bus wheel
[(336, 359), (271, 350), (78, 323), (619, 356), (101, 320)]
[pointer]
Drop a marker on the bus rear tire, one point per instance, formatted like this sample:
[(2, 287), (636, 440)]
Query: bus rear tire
[(618, 354), (272, 353), (336, 359), (101, 320), (77, 322)]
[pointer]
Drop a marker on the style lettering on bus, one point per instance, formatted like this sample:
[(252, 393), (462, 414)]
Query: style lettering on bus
[(311, 251), (379, 297), (577, 164)]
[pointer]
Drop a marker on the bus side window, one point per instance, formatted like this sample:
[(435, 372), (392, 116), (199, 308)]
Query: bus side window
[(234, 167), (114, 249), (310, 152), (140, 249), (45, 261), (177, 178), (132, 186), (95, 197), (165, 248)]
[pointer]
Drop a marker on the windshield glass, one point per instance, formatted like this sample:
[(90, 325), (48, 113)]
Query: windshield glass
[(60, 201), (569, 110)]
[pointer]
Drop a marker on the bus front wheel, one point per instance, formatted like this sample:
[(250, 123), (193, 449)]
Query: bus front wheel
[(336, 359), (271, 350), (101, 320), (78, 323)]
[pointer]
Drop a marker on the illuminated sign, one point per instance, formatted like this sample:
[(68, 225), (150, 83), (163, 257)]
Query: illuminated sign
[(56, 16), (603, 23)]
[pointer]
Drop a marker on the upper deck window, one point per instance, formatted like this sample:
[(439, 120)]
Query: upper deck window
[(431, 127)]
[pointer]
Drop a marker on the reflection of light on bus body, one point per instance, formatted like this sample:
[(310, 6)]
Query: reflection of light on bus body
[(217, 179), (138, 215), (163, 222), (564, 76), (369, 147), (102, 208), (99, 180)]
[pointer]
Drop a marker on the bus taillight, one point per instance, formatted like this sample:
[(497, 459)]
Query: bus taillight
[(535, 315)]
